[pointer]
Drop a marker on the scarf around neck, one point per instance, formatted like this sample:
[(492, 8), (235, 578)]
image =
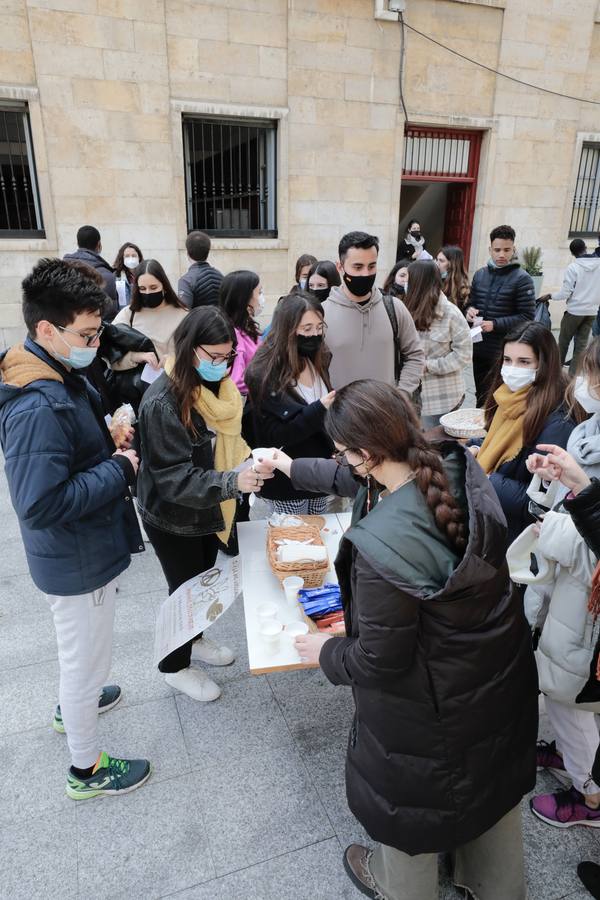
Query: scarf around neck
[(505, 436), (222, 413)]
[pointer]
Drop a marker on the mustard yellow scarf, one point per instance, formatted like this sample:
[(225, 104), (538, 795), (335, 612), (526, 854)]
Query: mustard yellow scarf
[(505, 436), (222, 414)]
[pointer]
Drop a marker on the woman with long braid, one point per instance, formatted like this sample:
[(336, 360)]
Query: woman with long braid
[(438, 655)]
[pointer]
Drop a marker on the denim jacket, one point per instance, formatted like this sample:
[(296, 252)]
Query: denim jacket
[(178, 488)]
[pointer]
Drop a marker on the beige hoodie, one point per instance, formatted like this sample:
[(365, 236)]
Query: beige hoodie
[(361, 341)]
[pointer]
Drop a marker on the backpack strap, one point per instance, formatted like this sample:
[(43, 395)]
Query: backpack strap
[(391, 311)]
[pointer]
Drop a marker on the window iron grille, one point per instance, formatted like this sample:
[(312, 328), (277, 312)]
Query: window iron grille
[(436, 154), (20, 209), (585, 214), (230, 176)]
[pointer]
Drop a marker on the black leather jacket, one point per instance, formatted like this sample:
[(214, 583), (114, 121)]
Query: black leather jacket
[(178, 488), (584, 509)]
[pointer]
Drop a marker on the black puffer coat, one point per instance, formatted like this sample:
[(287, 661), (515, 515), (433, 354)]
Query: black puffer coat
[(200, 285), (507, 297), (444, 683), (584, 509)]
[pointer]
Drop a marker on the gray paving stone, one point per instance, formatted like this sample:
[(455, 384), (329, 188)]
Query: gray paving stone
[(38, 858), (314, 872), (27, 639), (133, 669), (316, 711), (43, 755), (19, 596), (29, 695), (152, 841), (260, 809), (150, 730), (244, 722), (14, 561)]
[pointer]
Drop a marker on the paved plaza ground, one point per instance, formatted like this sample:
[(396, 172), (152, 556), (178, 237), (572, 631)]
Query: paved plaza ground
[(246, 801)]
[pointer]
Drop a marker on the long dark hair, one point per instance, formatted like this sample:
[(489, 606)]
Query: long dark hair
[(375, 417), (204, 325), (423, 294), (456, 283), (234, 298), (306, 259), (391, 279), (119, 263), (327, 270), (547, 393), (277, 364), (152, 267)]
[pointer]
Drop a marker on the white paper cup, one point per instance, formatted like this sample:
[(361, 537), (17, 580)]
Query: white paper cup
[(263, 453), (296, 629), (270, 634), (291, 585), (266, 611)]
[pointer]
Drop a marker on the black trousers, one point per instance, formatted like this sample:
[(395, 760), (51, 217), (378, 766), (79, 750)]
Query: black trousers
[(483, 368), (181, 558)]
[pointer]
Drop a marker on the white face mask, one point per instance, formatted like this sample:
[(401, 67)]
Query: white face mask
[(260, 306), (515, 377), (583, 396), (131, 261)]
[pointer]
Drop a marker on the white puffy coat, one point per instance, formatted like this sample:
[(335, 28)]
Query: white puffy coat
[(569, 634)]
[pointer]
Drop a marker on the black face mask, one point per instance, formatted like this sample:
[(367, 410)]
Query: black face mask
[(320, 293), (416, 235), (398, 290), (151, 301), (309, 345), (359, 285)]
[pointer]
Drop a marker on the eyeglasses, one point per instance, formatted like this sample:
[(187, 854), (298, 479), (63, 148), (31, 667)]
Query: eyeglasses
[(218, 358), (88, 338), (342, 460), (308, 330)]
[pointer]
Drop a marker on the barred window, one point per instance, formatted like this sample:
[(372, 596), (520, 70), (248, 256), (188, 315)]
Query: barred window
[(20, 208), (230, 175), (585, 215)]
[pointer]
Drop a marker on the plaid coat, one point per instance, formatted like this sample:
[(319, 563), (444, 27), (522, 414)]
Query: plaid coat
[(448, 351)]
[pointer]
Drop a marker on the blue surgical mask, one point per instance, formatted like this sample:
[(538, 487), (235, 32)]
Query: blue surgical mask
[(443, 275), (78, 358), (208, 372)]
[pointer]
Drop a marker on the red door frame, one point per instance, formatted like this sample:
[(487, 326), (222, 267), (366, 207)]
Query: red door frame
[(416, 172)]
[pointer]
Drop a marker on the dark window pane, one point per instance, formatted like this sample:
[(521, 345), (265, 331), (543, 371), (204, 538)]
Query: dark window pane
[(20, 214), (230, 175)]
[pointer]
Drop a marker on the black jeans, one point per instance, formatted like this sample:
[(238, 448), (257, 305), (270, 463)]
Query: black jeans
[(483, 368), (181, 558)]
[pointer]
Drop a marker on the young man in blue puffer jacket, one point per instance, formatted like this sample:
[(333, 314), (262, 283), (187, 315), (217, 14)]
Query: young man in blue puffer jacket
[(70, 490)]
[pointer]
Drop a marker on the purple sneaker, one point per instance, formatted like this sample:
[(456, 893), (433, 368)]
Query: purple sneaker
[(565, 808), (549, 758)]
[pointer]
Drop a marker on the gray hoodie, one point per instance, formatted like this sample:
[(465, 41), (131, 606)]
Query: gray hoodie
[(581, 286), (361, 341)]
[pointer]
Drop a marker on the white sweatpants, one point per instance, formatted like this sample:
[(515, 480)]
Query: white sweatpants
[(84, 634), (577, 739)]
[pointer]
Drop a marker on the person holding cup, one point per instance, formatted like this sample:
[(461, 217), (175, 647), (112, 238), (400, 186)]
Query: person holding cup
[(438, 654), (290, 391), (196, 467)]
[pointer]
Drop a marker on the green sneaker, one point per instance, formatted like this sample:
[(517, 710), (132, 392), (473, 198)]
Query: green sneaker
[(110, 776), (110, 696)]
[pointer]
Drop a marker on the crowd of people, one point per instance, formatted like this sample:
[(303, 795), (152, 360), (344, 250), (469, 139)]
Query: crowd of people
[(444, 650)]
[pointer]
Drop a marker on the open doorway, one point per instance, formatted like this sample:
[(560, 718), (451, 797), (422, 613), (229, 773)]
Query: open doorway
[(439, 185)]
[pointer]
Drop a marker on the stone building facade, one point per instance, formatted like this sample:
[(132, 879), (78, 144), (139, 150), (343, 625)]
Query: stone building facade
[(107, 83)]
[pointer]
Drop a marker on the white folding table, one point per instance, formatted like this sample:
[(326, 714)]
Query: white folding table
[(259, 585)]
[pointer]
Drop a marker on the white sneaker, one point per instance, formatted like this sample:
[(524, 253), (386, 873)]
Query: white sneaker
[(205, 650), (195, 683)]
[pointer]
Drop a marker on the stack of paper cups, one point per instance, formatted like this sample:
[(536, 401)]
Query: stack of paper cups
[(291, 585)]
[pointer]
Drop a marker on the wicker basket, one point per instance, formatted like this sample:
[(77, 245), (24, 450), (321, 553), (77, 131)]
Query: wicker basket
[(313, 572), (464, 423)]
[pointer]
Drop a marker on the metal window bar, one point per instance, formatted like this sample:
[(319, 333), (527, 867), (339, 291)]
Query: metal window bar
[(20, 209), (436, 153), (585, 213), (230, 175)]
